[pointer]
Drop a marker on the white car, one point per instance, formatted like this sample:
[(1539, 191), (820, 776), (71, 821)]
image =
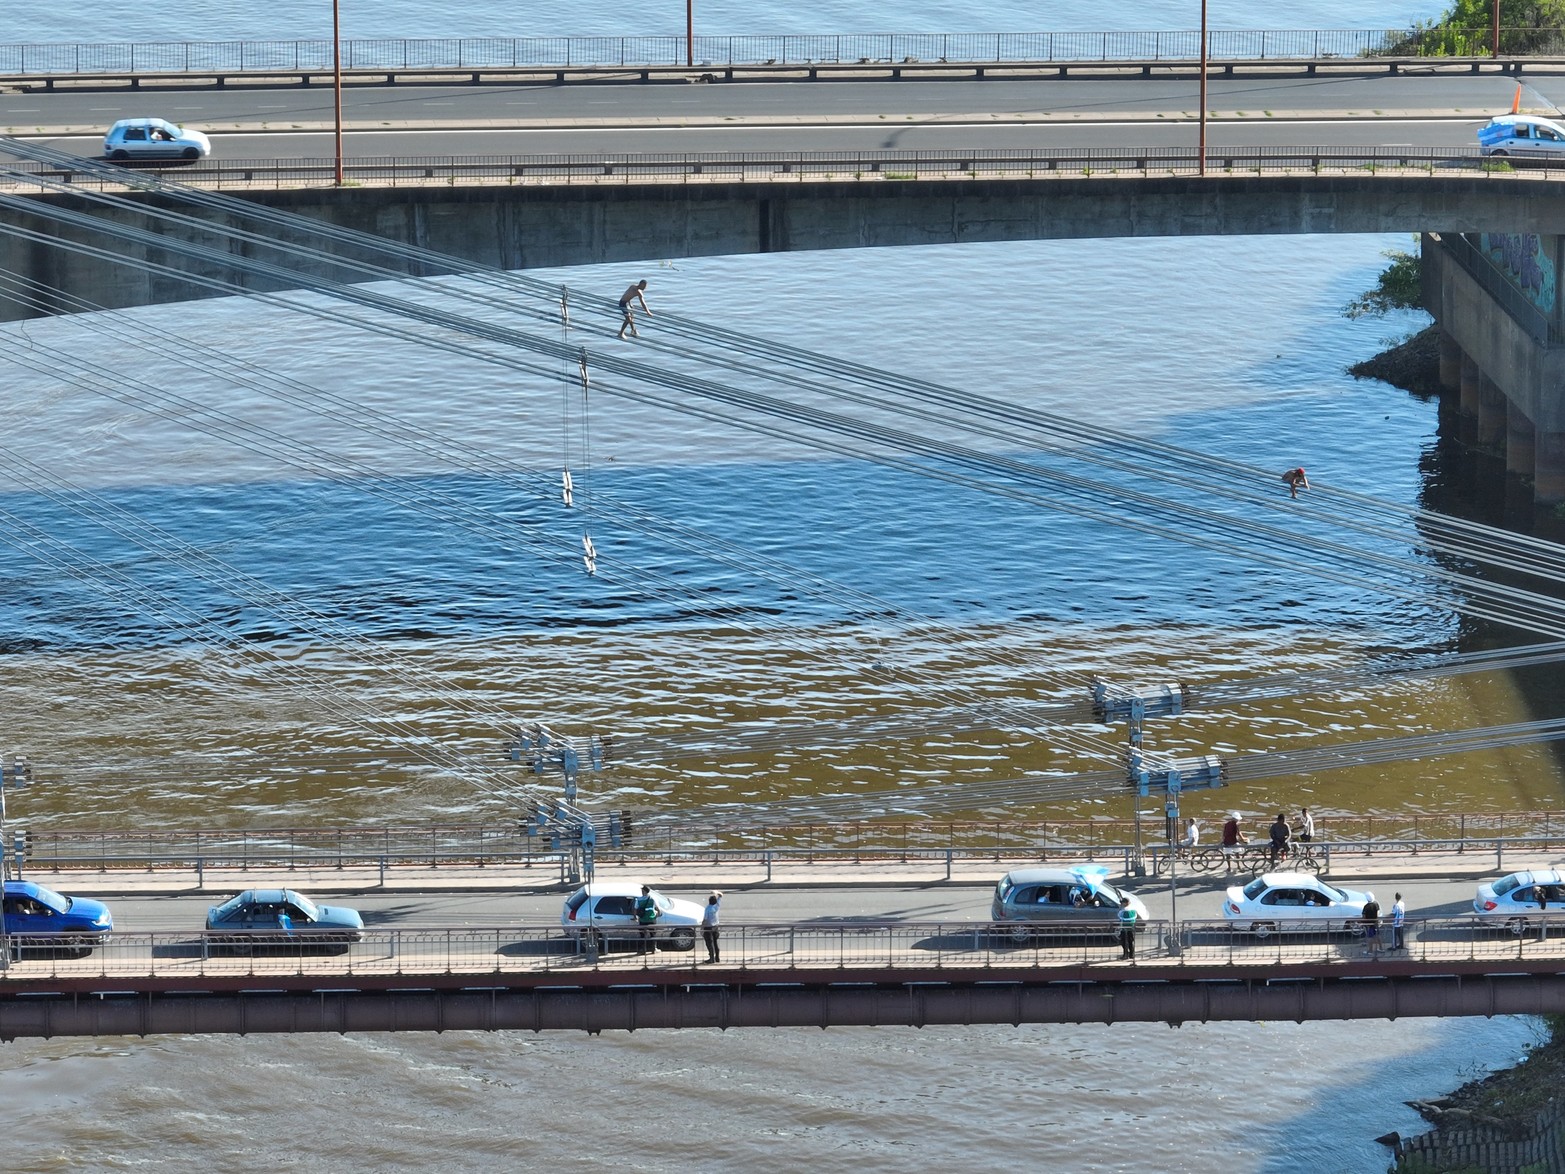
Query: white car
[(1525, 135), (1292, 902), (608, 910), (1511, 898), (153, 138)]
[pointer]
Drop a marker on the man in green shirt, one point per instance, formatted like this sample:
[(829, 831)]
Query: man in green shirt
[(1127, 929), (647, 915)]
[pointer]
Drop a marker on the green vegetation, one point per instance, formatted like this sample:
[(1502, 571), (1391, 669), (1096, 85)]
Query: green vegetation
[(1467, 30), (1398, 288)]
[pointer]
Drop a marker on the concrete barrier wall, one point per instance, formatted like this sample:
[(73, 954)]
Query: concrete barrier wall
[(522, 227)]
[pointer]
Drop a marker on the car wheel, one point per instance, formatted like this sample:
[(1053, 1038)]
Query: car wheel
[(119, 156), (1019, 933), (190, 153), (682, 939), (1263, 929), (1517, 925), (1498, 154), (599, 940)]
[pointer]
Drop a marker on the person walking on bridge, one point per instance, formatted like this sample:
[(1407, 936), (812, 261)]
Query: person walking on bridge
[(1127, 929), (709, 917), (1371, 925), (634, 294)]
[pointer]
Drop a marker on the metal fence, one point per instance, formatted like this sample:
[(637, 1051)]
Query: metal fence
[(814, 166), (811, 949), (937, 842), (480, 53)]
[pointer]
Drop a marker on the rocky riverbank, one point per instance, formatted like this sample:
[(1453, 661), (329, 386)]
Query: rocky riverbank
[(1414, 365), (1509, 1120)]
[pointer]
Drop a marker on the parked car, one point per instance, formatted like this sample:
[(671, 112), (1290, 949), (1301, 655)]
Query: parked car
[(153, 138), (1065, 901), (51, 921), (1525, 135), (608, 910), (1293, 902), (281, 917), (1510, 899)]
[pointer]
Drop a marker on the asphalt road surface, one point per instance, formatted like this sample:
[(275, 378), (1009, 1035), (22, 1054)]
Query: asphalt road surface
[(418, 120)]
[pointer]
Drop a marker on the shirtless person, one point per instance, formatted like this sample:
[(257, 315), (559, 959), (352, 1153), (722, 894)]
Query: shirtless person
[(1294, 479), (633, 294)]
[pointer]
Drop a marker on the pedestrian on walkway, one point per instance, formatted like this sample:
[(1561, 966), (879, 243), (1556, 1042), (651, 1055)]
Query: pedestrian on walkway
[(709, 916), (633, 294), (1371, 924), (1295, 480), (647, 914), (1398, 917), (1127, 929)]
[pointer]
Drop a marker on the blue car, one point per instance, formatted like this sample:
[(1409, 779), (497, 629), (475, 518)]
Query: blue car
[(281, 917), (45, 920)]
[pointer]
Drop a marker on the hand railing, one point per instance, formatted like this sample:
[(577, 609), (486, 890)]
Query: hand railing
[(808, 949)]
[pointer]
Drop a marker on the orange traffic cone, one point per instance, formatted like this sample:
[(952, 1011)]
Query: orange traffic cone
[(1516, 102)]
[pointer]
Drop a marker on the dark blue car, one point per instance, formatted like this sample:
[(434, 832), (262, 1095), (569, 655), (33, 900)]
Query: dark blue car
[(47, 921)]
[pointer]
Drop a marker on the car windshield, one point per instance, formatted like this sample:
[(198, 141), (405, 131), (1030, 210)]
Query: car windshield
[(1337, 896), (1506, 883), (1255, 888), (305, 906), (664, 903), (52, 899), (1003, 890), (232, 904), (1104, 889)]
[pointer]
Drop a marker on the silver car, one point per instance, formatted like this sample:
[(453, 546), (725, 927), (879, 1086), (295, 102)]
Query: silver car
[(605, 912), (153, 138), (1029, 902)]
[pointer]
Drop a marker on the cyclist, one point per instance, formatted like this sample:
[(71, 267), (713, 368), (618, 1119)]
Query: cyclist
[(1280, 831)]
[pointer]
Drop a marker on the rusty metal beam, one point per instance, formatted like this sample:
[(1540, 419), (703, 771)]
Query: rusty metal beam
[(676, 1006)]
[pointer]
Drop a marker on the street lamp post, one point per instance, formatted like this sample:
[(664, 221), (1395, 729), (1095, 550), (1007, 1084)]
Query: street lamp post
[(1496, 46), (690, 34), (336, 77), (1203, 87)]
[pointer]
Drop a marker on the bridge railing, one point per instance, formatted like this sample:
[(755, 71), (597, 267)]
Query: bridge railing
[(808, 166), (470, 53), (802, 946)]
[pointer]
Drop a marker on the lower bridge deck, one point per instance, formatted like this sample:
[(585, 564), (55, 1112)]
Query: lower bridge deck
[(901, 973)]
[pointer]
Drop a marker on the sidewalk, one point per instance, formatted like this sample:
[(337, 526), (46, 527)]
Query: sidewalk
[(1347, 869)]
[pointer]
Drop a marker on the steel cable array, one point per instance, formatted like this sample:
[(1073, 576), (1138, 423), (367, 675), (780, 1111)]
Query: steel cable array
[(1455, 539)]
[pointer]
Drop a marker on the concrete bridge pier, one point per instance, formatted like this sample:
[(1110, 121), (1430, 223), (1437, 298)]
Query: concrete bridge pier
[(1502, 349), (1492, 418), (1521, 440)]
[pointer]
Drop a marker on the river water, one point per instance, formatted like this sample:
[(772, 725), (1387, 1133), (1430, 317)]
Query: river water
[(1233, 347)]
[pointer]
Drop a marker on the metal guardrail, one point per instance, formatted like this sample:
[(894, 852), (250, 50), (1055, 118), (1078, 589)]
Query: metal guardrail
[(481, 53), (802, 166), (812, 950), (51, 854)]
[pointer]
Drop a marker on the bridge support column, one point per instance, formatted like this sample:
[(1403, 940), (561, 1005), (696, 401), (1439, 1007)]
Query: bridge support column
[(1548, 485), (1450, 363), (1521, 442), (1491, 416), (1467, 401)]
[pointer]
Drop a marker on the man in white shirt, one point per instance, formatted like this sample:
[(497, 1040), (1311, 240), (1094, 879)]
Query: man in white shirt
[(1306, 825), (709, 917), (1398, 916)]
